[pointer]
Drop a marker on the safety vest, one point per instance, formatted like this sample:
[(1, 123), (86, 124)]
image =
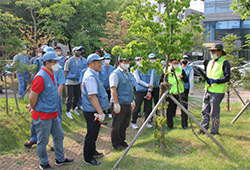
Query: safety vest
[(83, 63), (124, 90), (74, 70), (104, 75), (48, 99), (23, 60), (215, 71), (187, 71), (172, 80), (145, 78), (39, 62), (62, 61), (101, 95)]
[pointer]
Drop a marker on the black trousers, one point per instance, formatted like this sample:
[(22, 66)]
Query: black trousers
[(155, 96), (109, 96), (170, 112), (73, 92), (186, 92), (119, 125), (93, 128), (139, 98)]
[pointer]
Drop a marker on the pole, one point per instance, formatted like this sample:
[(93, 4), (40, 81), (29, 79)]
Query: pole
[(14, 90), (239, 114), (142, 127), (25, 92), (6, 93), (239, 96), (191, 116)]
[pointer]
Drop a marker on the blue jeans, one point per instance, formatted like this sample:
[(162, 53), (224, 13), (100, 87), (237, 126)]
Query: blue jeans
[(43, 128), (22, 82)]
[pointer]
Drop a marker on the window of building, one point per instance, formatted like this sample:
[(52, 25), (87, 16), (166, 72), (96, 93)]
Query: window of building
[(219, 34), (233, 24), (209, 6), (221, 6), (221, 25), (245, 24)]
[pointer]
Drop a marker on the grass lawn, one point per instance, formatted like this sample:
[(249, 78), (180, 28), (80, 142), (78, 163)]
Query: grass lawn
[(185, 151)]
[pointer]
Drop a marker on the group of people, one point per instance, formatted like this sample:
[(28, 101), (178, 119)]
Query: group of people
[(119, 93)]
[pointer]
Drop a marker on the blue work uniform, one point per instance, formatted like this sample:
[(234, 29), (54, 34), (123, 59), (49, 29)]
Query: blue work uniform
[(62, 62), (83, 64), (24, 76)]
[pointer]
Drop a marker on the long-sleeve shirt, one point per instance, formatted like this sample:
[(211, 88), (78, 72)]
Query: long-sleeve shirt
[(143, 83)]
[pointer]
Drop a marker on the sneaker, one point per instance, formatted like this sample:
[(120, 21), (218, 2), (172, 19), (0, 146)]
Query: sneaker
[(93, 162), (124, 144), (110, 116), (29, 144), (148, 125), (80, 107), (98, 154), (185, 127), (134, 126), (69, 114), (67, 161), (139, 115), (75, 111), (45, 167)]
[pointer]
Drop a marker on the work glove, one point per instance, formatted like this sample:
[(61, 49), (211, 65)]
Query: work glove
[(99, 117), (117, 108), (211, 81), (133, 105), (29, 107)]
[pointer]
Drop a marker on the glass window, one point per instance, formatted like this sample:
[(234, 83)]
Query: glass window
[(234, 31), (219, 34), (245, 24), (221, 6), (209, 6), (233, 24), (221, 25)]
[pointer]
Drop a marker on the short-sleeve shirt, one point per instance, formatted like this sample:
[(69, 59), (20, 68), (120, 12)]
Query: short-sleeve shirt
[(91, 84)]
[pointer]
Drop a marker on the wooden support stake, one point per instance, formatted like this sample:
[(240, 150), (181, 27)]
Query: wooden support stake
[(239, 114), (14, 90)]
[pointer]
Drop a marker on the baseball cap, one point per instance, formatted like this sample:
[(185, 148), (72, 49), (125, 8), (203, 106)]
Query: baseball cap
[(43, 49), (137, 58), (94, 57), (163, 62), (107, 56), (185, 56), (81, 48), (217, 47), (76, 49), (152, 55), (50, 56), (49, 49)]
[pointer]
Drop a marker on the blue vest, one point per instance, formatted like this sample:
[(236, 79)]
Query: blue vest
[(124, 90), (104, 76), (74, 70), (156, 80), (62, 62), (81, 75), (59, 76), (133, 78), (47, 100), (39, 63), (23, 60), (187, 71), (102, 96), (83, 63), (145, 78)]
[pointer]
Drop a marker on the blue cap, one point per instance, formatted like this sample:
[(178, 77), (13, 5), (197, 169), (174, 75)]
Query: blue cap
[(76, 49), (137, 58), (94, 57), (43, 49), (49, 49), (185, 56), (107, 56), (152, 55), (50, 56), (25, 47), (81, 48), (163, 62)]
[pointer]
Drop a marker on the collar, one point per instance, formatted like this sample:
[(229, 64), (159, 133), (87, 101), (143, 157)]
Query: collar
[(121, 69), (47, 72), (96, 73)]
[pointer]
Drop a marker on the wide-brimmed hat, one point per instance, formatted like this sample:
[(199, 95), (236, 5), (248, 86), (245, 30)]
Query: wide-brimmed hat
[(217, 47)]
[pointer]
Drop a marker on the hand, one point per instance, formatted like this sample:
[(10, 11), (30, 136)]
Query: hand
[(29, 107), (117, 108), (148, 96), (101, 48), (178, 75), (191, 93), (99, 117), (211, 81), (133, 105), (151, 86)]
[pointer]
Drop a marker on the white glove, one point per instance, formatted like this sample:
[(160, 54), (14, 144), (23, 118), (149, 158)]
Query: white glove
[(99, 117), (117, 108), (133, 105)]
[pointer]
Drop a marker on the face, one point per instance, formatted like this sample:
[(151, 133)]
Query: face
[(96, 65), (174, 62), (58, 50), (152, 59)]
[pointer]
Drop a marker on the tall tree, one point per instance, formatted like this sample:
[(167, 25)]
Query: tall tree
[(241, 7), (167, 35)]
